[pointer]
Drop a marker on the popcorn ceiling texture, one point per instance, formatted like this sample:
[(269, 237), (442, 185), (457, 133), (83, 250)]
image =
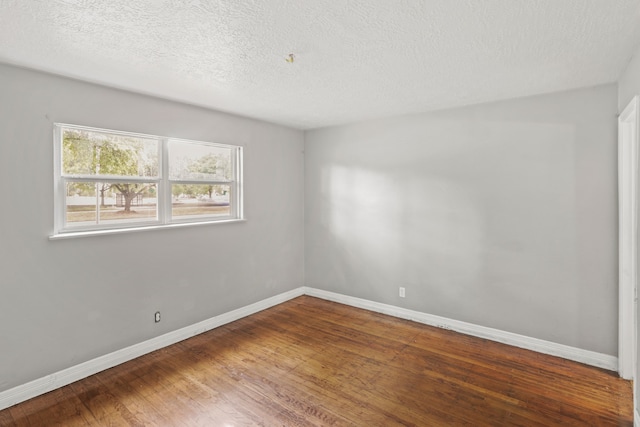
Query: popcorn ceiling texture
[(354, 59)]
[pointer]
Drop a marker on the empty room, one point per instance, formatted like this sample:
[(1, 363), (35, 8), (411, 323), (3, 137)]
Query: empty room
[(319, 213)]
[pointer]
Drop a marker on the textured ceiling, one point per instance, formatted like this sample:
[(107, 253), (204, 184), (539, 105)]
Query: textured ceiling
[(354, 59)]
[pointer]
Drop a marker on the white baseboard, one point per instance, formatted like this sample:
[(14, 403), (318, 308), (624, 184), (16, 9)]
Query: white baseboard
[(572, 353), (67, 376), (636, 418)]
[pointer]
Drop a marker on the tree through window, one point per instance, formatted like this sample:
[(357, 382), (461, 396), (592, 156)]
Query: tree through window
[(112, 179)]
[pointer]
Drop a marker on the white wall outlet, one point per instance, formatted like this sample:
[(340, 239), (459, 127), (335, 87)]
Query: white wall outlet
[(157, 316), (401, 292)]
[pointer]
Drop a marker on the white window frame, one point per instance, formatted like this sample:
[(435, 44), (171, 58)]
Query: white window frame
[(162, 181)]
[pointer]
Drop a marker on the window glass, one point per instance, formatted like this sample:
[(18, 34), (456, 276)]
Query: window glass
[(199, 162), (112, 179), (94, 203), (195, 200), (96, 153)]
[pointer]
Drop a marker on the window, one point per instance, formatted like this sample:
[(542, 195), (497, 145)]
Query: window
[(108, 179)]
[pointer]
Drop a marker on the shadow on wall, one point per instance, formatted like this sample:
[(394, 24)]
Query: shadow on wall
[(477, 232)]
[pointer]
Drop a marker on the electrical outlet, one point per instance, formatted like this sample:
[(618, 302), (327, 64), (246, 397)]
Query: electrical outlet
[(401, 292), (157, 316)]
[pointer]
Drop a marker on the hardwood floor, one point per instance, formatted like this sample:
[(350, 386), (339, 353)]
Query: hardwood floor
[(312, 362)]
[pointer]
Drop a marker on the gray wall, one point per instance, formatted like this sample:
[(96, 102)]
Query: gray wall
[(628, 87), (67, 301), (503, 215), (629, 82)]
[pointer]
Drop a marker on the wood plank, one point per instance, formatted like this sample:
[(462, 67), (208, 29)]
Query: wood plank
[(310, 362), (6, 419)]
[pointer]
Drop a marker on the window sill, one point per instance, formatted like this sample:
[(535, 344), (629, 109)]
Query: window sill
[(76, 234)]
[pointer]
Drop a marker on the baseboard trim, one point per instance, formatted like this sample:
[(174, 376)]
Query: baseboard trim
[(67, 376), (592, 358)]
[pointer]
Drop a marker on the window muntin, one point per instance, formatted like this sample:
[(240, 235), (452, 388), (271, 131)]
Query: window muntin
[(110, 179)]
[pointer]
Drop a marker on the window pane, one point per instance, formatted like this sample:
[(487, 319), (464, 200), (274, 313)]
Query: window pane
[(96, 153), (193, 201), (81, 203), (90, 203), (191, 161)]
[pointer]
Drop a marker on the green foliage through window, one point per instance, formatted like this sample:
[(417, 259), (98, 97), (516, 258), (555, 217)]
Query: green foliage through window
[(111, 178)]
